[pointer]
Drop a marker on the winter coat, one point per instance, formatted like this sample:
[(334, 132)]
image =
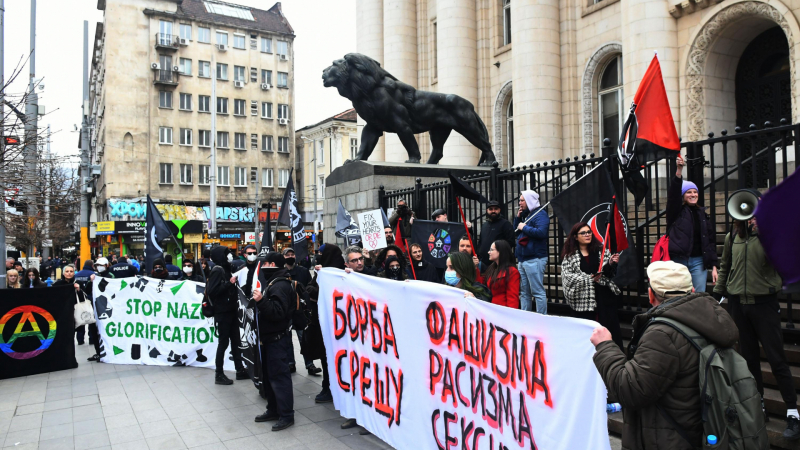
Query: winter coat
[(406, 230), (532, 240), (663, 371), (280, 299), (123, 270), (579, 286), (745, 271), (680, 227), (424, 271), (174, 271), (300, 274), (64, 282), (500, 229), (219, 287), (505, 291), (36, 284)]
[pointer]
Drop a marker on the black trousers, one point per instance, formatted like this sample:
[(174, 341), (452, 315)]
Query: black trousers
[(80, 334), (228, 328), (606, 313), (326, 378), (277, 378), (761, 322)]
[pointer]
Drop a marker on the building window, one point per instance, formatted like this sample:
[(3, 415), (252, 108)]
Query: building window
[(266, 76), (186, 31), (253, 141), (266, 45), (238, 107), (611, 101), (205, 103), (321, 188), (186, 101), (434, 50), (239, 41), (253, 42), (253, 107), (353, 148), (239, 141), (222, 139), (283, 111), (283, 177), (205, 138), (165, 173), (266, 110), (283, 48), (253, 75), (506, 22), (186, 66), (223, 176), (222, 105), (165, 61), (266, 143), (283, 79), (222, 37), (266, 177), (204, 69), (238, 73), (165, 99), (186, 136), (186, 174), (239, 177), (204, 35), (320, 153), (283, 145), (222, 72), (165, 32), (165, 135), (204, 175)]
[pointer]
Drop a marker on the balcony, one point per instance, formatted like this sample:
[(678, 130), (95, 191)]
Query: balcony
[(165, 77), (166, 41)]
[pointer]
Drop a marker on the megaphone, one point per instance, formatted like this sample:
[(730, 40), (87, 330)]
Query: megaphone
[(742, 204)]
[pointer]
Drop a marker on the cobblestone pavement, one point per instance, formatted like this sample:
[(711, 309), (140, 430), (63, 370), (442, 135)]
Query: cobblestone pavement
[(107, 406)]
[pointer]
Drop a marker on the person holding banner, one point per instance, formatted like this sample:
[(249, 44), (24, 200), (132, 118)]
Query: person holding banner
[(394, 269), (221, 290), (422, 270), (502, 277), (460, 273), (159, 269), (101, 269), (586, 273), (191, 272), (531, 224)]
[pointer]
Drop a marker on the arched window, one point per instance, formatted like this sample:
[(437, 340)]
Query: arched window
[(127, 147), (510, 140), (610, 101)]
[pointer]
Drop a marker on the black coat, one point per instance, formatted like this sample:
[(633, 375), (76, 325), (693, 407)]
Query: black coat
[(424, 272), (64, 282), (680, 226), (300, 274), (219, 287), (500, 229), (279, 301)]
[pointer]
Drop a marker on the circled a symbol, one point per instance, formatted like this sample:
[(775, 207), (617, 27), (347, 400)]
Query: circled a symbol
[(27, 312)]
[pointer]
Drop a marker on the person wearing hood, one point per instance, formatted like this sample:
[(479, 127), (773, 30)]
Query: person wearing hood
[(422, 270), (301, 275), (191, 272), (221, 290), (495, 228), (173, 270), (124, 269), (662, 374), (393, 269), (275, 302), (101, 270), (531, 225), (384, 254), (159, 269)]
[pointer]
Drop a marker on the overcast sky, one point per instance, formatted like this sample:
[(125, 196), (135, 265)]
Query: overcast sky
[(325, 30)]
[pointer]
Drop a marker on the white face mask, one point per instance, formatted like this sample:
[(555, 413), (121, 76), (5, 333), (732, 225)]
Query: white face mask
[(101, 269), (252, 258), (187, 270), (230, 257)]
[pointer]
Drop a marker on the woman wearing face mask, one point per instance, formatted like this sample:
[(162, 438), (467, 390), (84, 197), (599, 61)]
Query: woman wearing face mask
[(32, 279), (460, 273), (393, 269), (501, 276), (159, 270), (190, 272), (12, 279), (422, 270), (692, 240)]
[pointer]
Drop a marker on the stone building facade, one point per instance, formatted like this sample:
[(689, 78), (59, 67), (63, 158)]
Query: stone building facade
[(551, 79), (151, 90)]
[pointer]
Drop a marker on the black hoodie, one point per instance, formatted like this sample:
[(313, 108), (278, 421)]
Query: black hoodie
[(278, 303), (219, 287)]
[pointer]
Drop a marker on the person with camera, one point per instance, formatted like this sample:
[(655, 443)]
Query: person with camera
[(402, 211)]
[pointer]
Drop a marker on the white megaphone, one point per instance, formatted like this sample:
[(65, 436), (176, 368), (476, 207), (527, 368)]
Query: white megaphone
[(742, 204)]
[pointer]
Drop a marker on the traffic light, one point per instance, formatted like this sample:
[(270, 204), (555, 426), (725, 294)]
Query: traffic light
[(11, 140)]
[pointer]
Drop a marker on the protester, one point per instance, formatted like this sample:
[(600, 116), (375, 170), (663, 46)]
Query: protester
[(68, 278), (439, 215), (12, 279), (531, 224), (207, 257), (354, 261), (251, 256), (32, 279), (275, 302), (460, 273), (663, 371), (301, 275), (384, 254), (191, 272), (751, 284), (387, 231), (502, 277), (123, 269), (402, 211), (221, 290), (173, 270), (692, 240), (421, 270), (9, 263), (159, 270), (47, 267), (394, 269), (298, 273), (102, 271), (465, 246), (18, 267), (206, 266), (496, 227), (589, 291)]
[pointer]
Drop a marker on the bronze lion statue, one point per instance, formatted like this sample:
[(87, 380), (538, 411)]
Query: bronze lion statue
[(391, 106)]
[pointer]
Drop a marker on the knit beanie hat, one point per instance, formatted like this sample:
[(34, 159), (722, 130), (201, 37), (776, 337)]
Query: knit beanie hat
[(686, 186)]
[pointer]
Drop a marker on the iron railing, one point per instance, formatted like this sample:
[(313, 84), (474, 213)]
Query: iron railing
[(165, 76), (167, 40)]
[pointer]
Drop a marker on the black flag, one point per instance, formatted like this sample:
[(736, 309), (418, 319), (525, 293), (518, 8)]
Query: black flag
[(156, 230), (437, 239), (249, 348), (592, 199), (292, 219), (266, 241), (461, 189)]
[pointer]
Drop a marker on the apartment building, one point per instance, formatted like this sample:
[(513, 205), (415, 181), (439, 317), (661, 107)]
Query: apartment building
[(151, 100)]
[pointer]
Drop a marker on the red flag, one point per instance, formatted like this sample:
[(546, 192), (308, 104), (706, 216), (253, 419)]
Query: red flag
[(399, 239), (619, 239)]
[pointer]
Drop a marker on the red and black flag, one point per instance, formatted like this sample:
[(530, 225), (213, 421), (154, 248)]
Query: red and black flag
[(592, 199), (461, 189), (649, 133)]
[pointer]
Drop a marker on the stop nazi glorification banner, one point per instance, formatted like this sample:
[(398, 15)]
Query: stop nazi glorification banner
[(154, 322), (422, 367)]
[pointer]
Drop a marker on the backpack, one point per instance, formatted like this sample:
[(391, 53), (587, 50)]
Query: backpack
[(207, 308), (299, 319), (730, 402)]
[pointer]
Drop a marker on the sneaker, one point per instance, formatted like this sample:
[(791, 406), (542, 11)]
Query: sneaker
[(242, 375), (222, 379), (292, 368), (313, 370), (267, 417), (324, 397), (792, 431), (349, 423), (93, 358), (283, 424)]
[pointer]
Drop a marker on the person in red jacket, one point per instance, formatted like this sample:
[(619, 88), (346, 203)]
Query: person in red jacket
[(501, 276)]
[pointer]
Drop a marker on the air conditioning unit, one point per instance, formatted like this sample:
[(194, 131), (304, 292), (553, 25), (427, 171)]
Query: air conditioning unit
[(183, 41), (284, 57), (283, 121), (238, 84), (155, 66), (265, 87), (222, 47), (176, 68)]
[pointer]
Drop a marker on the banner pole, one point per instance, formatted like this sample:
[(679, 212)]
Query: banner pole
[(465, 226), (410, 259)]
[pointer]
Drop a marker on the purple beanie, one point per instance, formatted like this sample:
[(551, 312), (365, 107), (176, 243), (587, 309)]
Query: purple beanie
[(686, 186)]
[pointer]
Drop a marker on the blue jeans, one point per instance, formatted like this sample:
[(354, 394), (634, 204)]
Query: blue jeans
[(697, 270), (531, 285)]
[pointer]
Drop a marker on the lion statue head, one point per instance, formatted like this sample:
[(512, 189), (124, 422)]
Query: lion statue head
[(354, 75)]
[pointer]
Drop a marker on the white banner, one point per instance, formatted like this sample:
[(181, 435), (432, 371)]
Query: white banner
[(154, 322), (371, 226), (422, 367)]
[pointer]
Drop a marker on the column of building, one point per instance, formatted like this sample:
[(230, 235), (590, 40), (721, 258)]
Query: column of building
[(369, 41), (400, 57), (536, 80)]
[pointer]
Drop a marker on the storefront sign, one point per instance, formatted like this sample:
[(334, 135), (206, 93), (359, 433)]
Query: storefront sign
[(208, 240), (104, 228), (121, 209), (130, 227), (229, 236), (192, 238), (250, 236)]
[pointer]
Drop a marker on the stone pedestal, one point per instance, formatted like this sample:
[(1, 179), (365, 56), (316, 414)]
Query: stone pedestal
[(357, 184)]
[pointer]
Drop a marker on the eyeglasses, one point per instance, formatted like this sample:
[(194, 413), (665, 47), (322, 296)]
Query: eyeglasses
[(585, 233), (251, 253), (357, 260), (191, 267)]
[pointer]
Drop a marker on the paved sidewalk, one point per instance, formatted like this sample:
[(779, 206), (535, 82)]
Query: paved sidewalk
[(107, 406)]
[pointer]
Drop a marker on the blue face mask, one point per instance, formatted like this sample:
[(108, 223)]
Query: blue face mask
[(451, 278)]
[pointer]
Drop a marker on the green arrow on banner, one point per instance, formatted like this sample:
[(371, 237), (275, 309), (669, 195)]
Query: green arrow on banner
[(118, 350), (123, 285), (176, 288)]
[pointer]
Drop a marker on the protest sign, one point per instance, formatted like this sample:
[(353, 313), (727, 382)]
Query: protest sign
[(422, 367), (154, 322), (37, 331), (372, 235)]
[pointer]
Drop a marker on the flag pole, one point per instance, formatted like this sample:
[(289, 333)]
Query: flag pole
[(465, 226), (405, 244), (603, 253)]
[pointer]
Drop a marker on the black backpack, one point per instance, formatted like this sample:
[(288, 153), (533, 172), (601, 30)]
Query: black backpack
[(299, 306)]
